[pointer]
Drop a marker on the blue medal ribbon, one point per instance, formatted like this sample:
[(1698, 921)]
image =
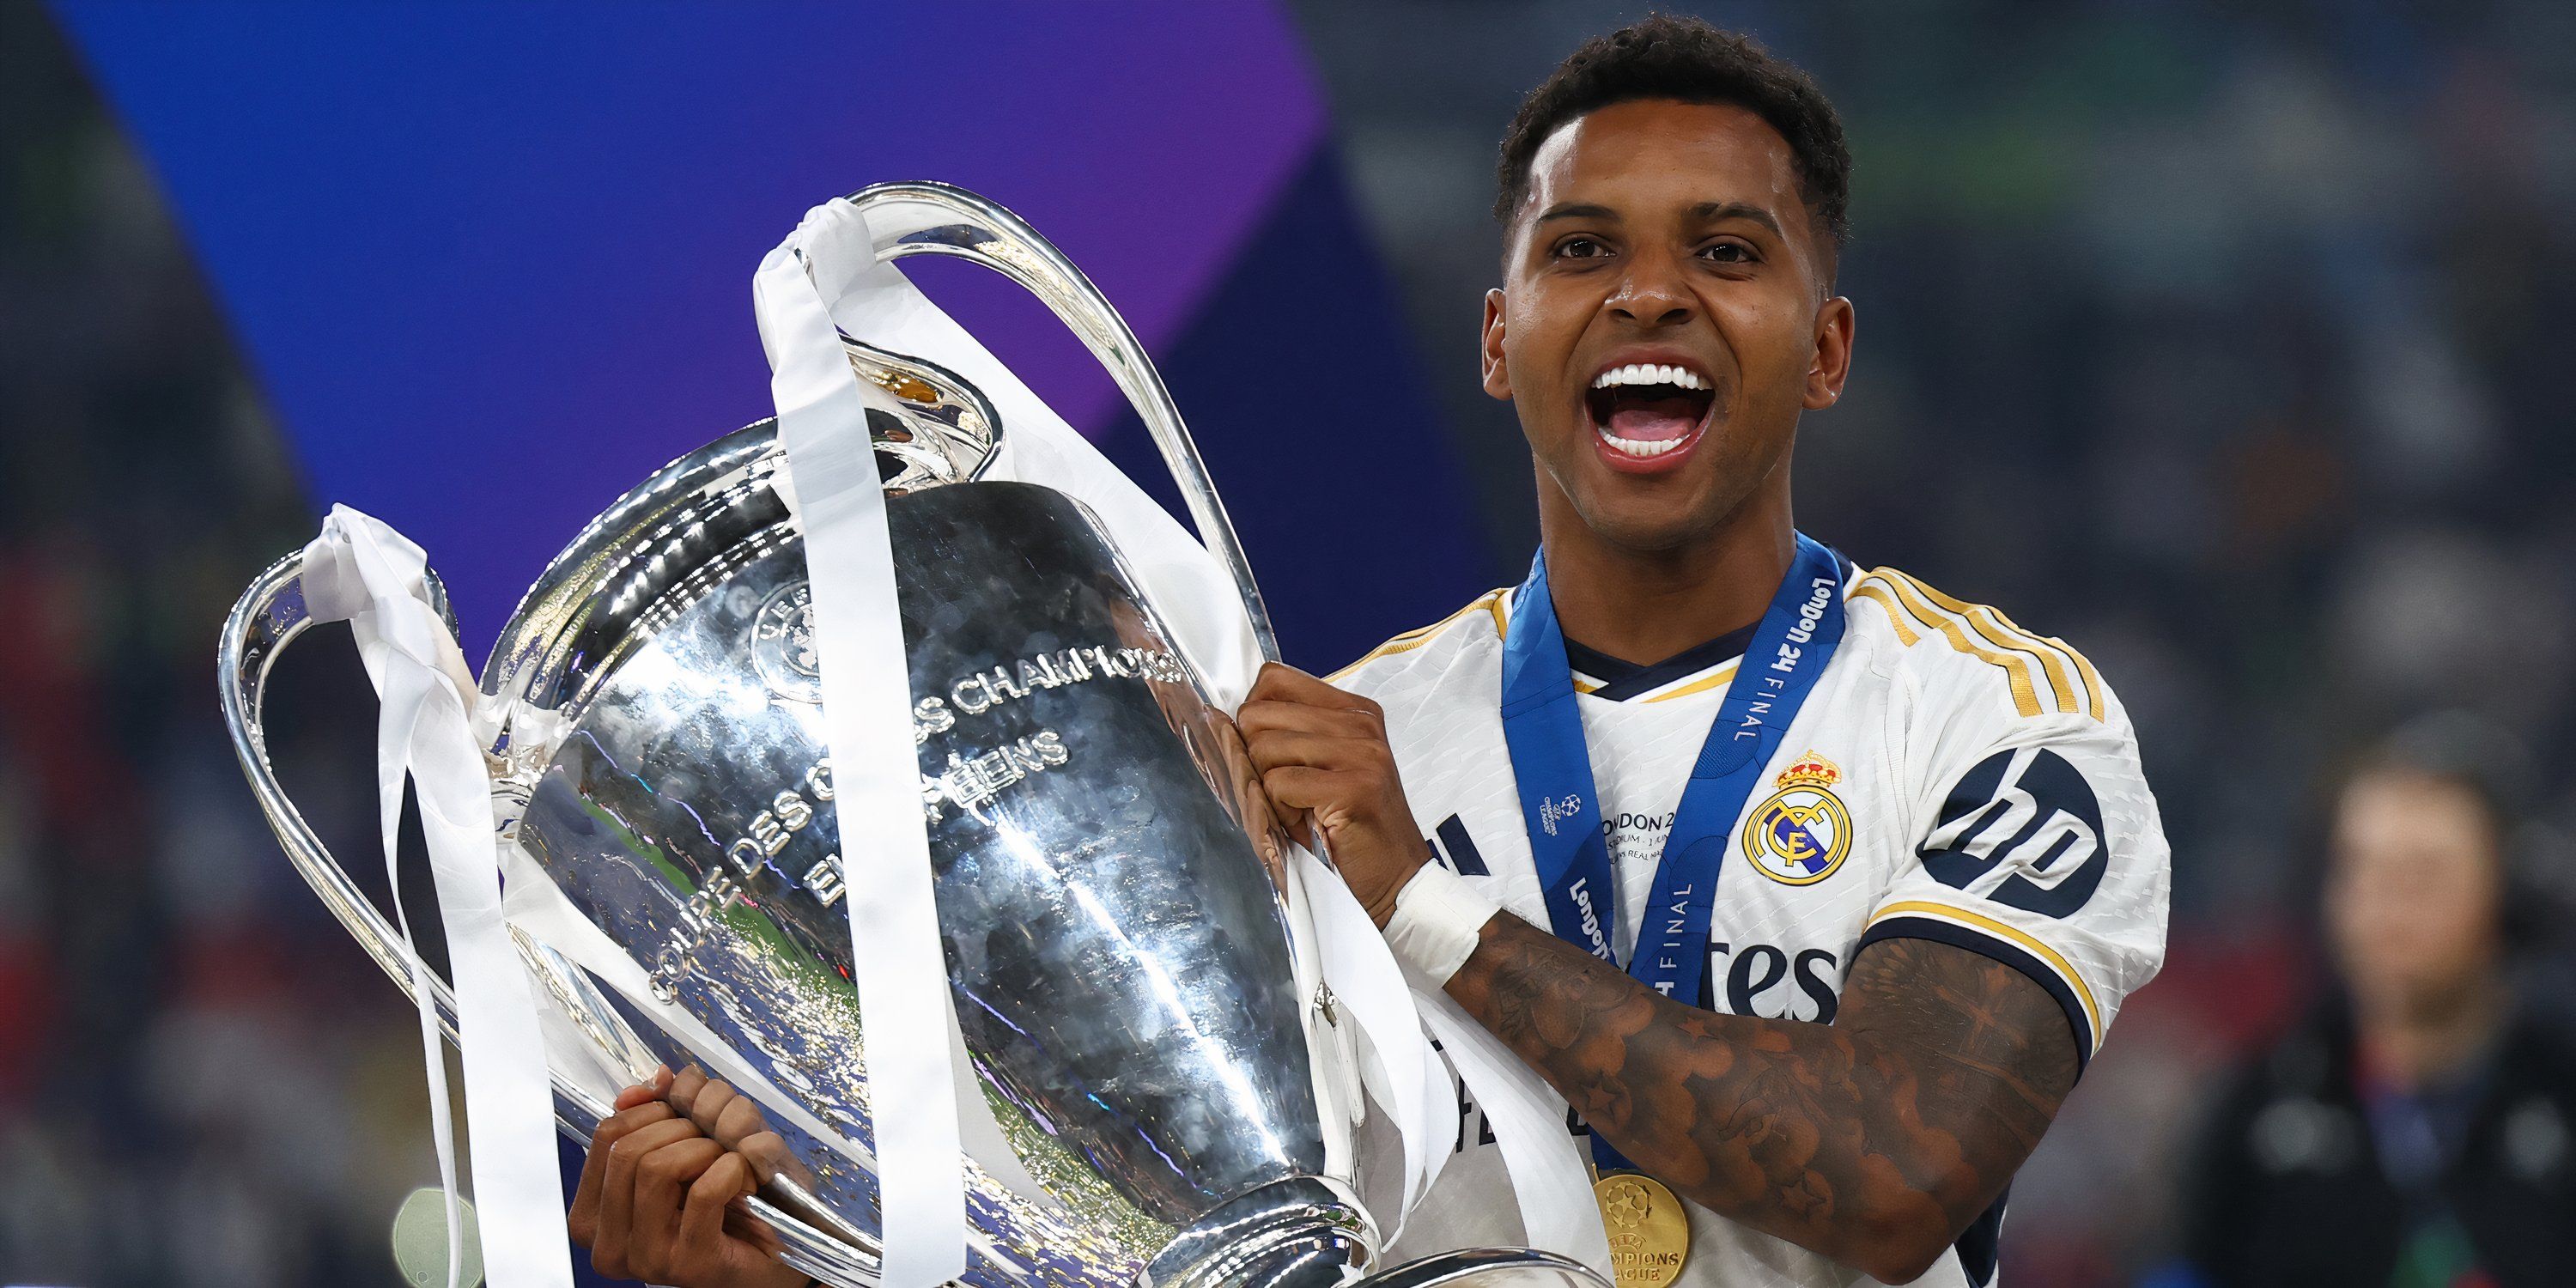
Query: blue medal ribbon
[(1552, 766)]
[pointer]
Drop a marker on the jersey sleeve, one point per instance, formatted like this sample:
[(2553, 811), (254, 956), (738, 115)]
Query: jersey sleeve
[(2037, 843)]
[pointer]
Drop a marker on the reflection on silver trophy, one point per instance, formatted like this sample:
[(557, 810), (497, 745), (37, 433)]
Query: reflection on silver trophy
[(1178, 1107)]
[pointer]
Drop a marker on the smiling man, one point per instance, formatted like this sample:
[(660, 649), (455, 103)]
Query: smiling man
[(1811, 889)]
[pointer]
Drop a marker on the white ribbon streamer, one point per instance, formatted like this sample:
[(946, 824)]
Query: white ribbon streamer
[(895, 956), (1372, 988), (361, 571), (1549, 1179)]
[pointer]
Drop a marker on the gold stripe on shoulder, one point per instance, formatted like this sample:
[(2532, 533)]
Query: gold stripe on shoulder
[(2092, 678), (1988, 623), (1864, 589), (1491, 601), (2083, 669), (2015, 669)]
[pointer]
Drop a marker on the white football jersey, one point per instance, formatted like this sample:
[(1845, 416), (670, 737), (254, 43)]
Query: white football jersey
[(1952, 777)]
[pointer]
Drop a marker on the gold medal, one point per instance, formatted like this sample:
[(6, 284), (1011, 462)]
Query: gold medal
[(1649, 1231)]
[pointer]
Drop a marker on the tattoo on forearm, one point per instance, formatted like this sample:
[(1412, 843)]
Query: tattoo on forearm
[(1910, 1112)]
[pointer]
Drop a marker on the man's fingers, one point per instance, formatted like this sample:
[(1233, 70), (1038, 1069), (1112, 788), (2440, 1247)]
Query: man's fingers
[(617, 1184), (766, 1151), (642, 1092), (1316, 750), (702, 1221), (684, 1088), (662, 1179), (1261, 717), (631, 1148), (763, 1148), (619, 1125), (661, 1176), (1297, 791), (706, 1109), (1303, 787), (740, 1118), (583, 1216)]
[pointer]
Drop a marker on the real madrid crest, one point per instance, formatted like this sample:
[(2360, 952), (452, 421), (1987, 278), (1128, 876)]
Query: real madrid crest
[(1802, 833)]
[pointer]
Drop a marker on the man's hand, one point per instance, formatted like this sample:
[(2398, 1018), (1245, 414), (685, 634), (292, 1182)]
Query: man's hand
[(657, 1200), (734, 1121), (1325, 764)]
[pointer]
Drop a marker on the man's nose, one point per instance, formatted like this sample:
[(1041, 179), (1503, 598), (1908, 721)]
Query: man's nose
[(1652, 293)]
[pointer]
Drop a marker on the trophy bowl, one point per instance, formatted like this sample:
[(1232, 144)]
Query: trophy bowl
[(1133, 975)]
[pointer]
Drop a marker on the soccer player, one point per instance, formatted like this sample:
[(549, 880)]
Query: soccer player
[(1812, 889)]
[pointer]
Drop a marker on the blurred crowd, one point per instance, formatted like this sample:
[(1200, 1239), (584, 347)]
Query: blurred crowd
[(202, 1081), (2224, 341)]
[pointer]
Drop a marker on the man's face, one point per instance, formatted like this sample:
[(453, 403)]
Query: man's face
[(2413, 895), (1664, 317)]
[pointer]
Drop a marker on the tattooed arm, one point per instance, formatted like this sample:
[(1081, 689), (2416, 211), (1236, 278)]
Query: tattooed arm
[(1874, 1140)]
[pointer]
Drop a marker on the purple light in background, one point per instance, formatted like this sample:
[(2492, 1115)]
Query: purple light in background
[(491, 263)]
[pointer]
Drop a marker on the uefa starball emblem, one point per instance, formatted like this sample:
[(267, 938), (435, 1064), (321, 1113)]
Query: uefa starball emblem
[(1552, 810), (1802, 833), (782, 644)]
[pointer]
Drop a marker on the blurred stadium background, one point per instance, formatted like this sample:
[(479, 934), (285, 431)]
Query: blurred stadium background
[(2228, 341)]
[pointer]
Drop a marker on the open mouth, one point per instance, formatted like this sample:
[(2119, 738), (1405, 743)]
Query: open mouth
[(1647, 410)]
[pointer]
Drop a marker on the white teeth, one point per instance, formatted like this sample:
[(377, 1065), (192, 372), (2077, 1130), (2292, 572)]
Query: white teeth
[(1642, 446), (1650, 374), (1647, 373)]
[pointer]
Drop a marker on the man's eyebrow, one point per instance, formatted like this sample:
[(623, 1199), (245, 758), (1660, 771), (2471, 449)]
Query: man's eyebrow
[(1714, 211), (1578, 212)]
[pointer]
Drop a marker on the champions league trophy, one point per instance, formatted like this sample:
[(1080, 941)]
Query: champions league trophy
[(1175, 1096)]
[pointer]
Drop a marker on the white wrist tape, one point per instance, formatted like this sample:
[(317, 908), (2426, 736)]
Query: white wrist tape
[(1438, 916)]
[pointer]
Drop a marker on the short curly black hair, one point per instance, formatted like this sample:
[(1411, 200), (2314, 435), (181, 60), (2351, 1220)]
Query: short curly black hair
[(1686, 59)]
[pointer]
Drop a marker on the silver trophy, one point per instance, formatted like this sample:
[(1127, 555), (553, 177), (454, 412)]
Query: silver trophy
[(1179, 1109)]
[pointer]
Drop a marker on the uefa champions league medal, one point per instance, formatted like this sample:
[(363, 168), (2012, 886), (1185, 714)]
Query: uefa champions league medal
[(1649, 1232)]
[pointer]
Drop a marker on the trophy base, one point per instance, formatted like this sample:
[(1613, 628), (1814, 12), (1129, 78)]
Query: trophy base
[(1489, 1268), (1312, 1233), (1303, 1232)]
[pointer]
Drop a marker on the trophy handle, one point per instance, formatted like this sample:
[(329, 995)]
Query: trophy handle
[(928, 218), (269, 616)]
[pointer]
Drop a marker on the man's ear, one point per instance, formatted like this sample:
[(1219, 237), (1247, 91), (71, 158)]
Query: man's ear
[(1833, 355), (1498, 375)]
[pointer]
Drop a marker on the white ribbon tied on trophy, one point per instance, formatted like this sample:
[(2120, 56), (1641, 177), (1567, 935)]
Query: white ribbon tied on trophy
[(906, 1021), (1194, 593), (363, 572)]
